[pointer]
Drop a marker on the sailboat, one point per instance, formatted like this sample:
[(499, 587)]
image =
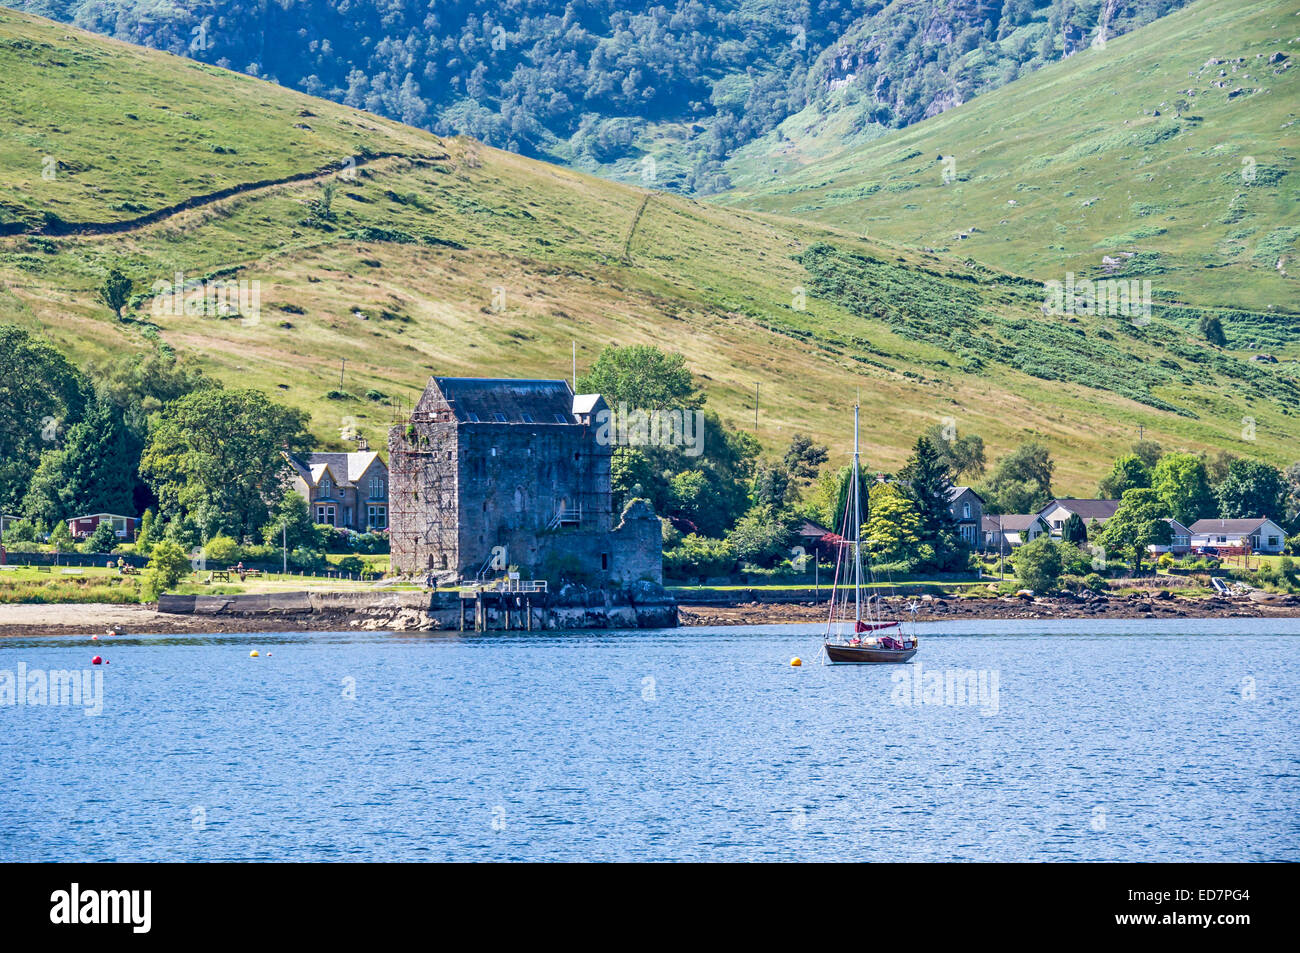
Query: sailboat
[(857, 630)]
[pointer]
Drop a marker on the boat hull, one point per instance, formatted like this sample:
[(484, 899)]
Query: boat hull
[(863, 654)]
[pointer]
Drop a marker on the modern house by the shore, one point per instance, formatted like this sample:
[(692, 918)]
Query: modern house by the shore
[(345, 490), (490, 475), (1234, 536), (1011, 530), (967, 508), (1092, 512)]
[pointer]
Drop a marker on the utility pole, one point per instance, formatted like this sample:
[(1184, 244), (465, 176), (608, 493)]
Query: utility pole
[(575, 366), (284, 549), (756, 410), (342, 368)]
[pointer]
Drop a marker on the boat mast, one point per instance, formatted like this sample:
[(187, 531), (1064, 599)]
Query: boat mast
[(857, 528)]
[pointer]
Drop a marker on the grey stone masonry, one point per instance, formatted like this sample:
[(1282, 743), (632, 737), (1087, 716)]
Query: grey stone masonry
[(489, 475)]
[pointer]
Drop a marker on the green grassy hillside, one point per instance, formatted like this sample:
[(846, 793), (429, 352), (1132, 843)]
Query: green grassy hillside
[(1175, 143), (443, 256)]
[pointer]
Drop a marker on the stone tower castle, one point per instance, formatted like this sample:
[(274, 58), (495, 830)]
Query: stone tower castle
[(489, 474)]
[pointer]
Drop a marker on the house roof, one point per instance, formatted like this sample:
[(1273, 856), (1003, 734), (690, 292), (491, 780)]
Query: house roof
[(809, 528), (1178, 527), (957, 491), (1241, 527), (346, 468), (1086, 509), (91, 516), (481, 399), (585, 403), (1011, 522)]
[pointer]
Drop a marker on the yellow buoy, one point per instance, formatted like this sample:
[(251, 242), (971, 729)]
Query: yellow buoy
[(253, 654), (796, 661)]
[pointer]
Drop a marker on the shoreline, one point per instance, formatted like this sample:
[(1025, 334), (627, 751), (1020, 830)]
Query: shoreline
[(74, 619)]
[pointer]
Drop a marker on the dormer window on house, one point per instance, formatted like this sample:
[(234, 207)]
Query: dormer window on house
[(472, 418), (499, 418), (561, 419), (325, 485), (526, 418)]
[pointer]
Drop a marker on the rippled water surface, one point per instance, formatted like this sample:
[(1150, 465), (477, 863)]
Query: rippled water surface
[(1119, 740)]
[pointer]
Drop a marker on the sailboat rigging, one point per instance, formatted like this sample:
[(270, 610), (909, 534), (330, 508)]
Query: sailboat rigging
[(870, 637)]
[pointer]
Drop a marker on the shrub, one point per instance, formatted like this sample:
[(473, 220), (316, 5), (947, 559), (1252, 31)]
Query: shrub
[(222, 549), (351, 564), (20, 531), (167, 566), (1038, 564), (102, 540), (1095, 583)]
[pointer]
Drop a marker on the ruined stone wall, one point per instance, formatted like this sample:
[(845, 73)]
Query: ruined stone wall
[(423, 476), (638, 547)]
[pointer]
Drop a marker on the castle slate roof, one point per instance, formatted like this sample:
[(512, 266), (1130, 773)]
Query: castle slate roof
[(485, 400)]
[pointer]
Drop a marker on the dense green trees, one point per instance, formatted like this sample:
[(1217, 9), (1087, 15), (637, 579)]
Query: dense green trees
[(1138, 524), (585, 82), (1021, 481), (1128, 472), (41, 394), (216, 456), (1251, 488), (1183, 485)]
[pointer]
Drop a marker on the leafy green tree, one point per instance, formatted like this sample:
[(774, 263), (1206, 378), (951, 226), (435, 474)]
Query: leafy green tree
[(761, 536), (41, 394), (1212, 329), (115, 291), (700, 556), (167, 566), (644, 378), (1038, 564), (1073, 530), (893, 529), (1128, 472), (221, 550), (1021, 481), (1292, 502), (291, 524), (1138, 524), (962, 454), (102, 539), (61, 537), (1251, 488), (804, 459), (1183, 485), (148, 534), (1148, 451), (217, 456)]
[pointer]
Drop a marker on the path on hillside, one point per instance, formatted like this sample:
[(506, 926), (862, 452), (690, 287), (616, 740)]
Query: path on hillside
[(58, 227), (631, 229)]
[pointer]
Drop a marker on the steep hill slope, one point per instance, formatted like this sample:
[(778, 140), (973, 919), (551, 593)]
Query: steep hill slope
[(1175, 144), (403, 254), (655, 92)]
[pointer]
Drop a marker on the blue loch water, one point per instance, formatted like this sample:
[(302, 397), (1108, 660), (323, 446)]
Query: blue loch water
[(1112, 740)]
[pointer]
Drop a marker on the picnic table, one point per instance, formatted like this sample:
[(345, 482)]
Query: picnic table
[(222, 574), (128, 570)]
